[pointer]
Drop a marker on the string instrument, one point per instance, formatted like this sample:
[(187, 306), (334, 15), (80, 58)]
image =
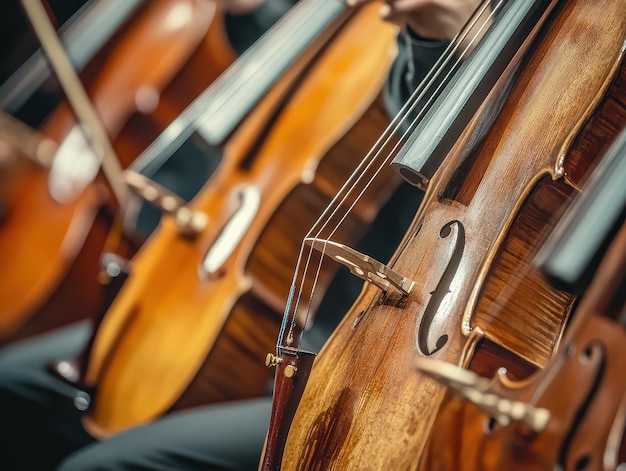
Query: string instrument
[(150, 71), (54, 271), (491, 194), (84, 33), (570, 415), (199, 309)]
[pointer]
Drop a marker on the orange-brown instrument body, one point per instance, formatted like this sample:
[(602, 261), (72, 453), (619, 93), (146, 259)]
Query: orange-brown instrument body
[(366, 406), (583, 388), (180, 333), (50, 249)]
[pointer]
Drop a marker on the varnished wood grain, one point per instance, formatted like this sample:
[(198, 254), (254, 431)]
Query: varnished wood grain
[(383, 409), (582, 387)]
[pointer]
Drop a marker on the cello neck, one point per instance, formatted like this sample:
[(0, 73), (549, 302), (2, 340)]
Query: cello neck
[(512, 32), (222, 106), (83, 35)]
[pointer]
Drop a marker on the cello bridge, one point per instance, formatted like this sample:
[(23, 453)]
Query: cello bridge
[(363, 266)]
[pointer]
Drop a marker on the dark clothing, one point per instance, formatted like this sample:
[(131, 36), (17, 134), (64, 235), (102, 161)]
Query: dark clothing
[(41, 424), (244, 29), (415, 58)]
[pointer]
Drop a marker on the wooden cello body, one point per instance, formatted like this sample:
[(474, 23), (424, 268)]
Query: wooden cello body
[(572, 411), (195, 318), (366, 405), (56, 219)]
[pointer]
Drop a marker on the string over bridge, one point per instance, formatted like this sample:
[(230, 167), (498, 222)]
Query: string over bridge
[(363, 266)]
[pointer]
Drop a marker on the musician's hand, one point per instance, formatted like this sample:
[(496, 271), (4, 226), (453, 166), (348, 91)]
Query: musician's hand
[(430, 19)]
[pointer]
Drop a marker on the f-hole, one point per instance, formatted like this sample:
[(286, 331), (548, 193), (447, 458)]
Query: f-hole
[(443, 288)]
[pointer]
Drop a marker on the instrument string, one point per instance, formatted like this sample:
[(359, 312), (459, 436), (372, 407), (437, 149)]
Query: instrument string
[(403, 116)]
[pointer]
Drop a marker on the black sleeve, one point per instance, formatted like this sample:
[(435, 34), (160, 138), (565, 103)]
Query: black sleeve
[(416, 56)]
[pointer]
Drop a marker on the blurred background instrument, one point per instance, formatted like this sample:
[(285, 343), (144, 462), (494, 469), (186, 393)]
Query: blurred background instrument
[(199, 310), (55, 271)]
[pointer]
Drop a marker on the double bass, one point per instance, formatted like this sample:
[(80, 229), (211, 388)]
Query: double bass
[(494, 182), (54, 273)]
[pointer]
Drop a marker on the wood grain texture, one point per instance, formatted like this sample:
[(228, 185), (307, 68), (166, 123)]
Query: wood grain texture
[(583, 387), (366, 406)]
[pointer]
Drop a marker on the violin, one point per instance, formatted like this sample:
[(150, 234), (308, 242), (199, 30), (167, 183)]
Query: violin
[(569, 415), (77, 208), (494, 183), (201, 305)]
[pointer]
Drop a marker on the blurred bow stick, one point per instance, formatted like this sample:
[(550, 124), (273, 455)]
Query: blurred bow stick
[(78, 98)]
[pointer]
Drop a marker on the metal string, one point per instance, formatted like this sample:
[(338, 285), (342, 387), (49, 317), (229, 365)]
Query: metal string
[(359, 174)]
